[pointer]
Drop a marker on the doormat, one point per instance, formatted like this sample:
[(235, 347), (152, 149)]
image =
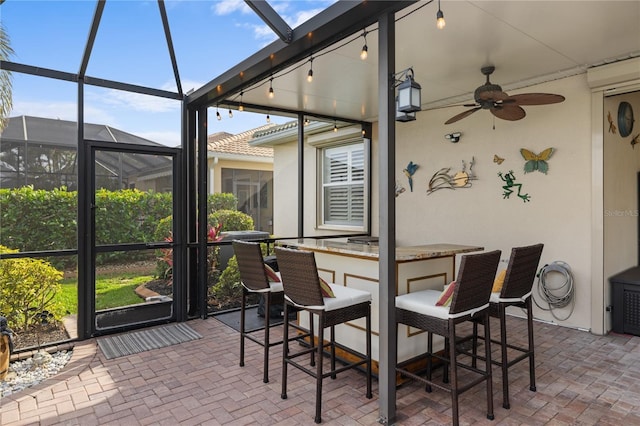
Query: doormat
[(253, 322), (145, 340)]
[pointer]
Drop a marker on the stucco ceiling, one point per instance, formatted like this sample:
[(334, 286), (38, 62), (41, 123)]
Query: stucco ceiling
[(528, 42)]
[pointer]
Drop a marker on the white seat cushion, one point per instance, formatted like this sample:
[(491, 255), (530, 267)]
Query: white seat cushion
[(345, 296), (495, 298), (424, 302)]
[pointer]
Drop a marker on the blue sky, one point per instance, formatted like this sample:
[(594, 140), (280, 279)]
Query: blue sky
[(209, 37)]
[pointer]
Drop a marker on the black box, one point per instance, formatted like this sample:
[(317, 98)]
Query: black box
[(625, 288)]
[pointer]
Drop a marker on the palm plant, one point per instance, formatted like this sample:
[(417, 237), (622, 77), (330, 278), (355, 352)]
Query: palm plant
[(5, 77)]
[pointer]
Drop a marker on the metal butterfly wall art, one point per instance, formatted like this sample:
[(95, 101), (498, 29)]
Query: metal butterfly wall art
[(536, 161)]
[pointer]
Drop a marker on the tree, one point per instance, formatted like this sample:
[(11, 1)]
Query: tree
[(5, 77)]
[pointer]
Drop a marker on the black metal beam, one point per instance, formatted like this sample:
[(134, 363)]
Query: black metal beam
[(167, 33), (272, 19), (92, 37), (39, 71), (335, 23)]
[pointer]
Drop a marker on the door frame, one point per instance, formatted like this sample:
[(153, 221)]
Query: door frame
[(178, 304)]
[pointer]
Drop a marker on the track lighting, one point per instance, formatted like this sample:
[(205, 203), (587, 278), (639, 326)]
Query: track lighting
[(310, 73), (271, 93), (365, 50), (241, 107), (440, 22)]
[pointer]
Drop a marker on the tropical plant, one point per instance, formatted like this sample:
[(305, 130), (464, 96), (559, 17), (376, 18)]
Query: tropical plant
[(5, 78)]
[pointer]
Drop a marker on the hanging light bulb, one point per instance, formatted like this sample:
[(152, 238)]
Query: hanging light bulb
[(268, 119), (230, 113), (440, 22), (306, 121), (335, 126), (310, 73), (241, 107), (218, 116), (271, 93), (365, 50)]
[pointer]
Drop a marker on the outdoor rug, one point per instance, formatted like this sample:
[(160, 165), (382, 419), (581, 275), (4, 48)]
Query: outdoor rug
[(253, 321), (145, 340)]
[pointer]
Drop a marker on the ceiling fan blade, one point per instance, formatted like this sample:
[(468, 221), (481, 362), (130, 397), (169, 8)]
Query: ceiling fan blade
[(462, 115), (509, 112), (535, 99)]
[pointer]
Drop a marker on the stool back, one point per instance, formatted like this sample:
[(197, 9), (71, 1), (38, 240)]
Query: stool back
[(250, 265), (474, 281), (299, 276), (521, 272)]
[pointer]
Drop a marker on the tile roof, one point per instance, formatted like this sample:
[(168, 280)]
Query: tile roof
[(227, 143)]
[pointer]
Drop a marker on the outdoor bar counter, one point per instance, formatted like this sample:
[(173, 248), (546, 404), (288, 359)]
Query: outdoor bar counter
[(355, 265)]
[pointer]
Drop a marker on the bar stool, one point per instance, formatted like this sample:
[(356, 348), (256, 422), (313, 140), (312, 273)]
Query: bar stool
[(302, 290), (469, 301), (516, 291), (255, 279)]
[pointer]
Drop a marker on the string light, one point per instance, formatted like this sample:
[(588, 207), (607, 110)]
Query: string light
[(271, 93), (310, 73), (218, 116), (365, 50), (230, 113), (241, 107), (335, 126), (268, 119), (306, 121), (440, 22)]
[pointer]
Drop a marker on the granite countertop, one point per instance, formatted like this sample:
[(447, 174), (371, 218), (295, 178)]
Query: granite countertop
[(339, 245)]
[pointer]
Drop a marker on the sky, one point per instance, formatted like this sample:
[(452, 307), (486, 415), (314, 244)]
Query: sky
[(209, 37)]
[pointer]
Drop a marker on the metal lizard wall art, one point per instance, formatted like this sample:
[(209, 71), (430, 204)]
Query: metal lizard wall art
[(509, 179)]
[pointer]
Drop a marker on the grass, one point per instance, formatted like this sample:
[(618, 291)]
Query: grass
[(112, 290)]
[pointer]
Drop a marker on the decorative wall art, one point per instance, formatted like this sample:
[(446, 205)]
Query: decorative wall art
[(536, 161), (444, 179), (497, 159), (510, 180), (399, 188), (409, 171), (612, 127), (634, 141)]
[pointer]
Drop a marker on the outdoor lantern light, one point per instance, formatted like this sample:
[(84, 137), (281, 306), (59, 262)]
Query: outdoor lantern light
[(408, 92), (404, 116)]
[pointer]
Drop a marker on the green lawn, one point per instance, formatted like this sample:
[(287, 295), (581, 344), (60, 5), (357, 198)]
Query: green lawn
[(112, 290)]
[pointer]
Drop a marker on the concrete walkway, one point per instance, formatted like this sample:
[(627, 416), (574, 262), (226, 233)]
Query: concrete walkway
[(582, 379)]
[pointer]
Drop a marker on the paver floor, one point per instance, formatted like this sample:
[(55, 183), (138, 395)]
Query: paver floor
[(582, 379)]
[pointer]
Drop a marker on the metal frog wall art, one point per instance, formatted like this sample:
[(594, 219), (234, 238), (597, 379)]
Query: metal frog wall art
[(510, 185), (444, 179)]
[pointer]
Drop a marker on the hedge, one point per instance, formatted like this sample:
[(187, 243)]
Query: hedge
[(36, 220)]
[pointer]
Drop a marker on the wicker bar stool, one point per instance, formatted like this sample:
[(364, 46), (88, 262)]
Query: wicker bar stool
[(516, 291), (302, 290), (470, 300), (254, 279)]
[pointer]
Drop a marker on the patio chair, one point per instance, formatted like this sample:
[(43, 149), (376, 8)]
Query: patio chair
[(516, 291), (302, 290), (255, 279), (469, 301)]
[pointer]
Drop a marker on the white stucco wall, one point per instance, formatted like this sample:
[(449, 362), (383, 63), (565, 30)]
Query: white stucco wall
[(559, 213)]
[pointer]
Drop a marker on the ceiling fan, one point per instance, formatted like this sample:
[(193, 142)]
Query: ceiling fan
[(490, 96)]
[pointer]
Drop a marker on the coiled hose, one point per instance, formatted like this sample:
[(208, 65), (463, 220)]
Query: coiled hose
[(558, 295)]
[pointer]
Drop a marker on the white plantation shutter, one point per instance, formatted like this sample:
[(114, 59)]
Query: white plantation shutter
[(343, 185)]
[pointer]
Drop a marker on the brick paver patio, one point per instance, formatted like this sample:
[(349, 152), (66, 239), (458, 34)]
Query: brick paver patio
[(582, 379)]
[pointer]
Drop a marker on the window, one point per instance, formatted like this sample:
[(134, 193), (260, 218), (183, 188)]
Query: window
[(343, 186)]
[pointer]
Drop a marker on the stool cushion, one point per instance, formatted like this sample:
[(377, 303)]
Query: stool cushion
[(344, 297), (495, 298), (424, 302)]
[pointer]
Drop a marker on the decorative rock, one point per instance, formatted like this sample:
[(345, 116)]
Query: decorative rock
[(28, 372)]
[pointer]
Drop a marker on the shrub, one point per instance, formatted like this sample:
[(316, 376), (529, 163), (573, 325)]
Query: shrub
[(228, 288), (221, 201), (232, 220), (27, 290)]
